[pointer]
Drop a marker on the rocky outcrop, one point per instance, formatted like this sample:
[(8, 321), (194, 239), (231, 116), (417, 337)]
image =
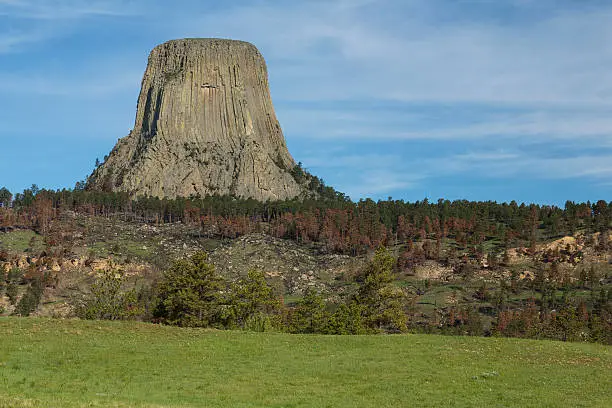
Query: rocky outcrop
[(205, 125)]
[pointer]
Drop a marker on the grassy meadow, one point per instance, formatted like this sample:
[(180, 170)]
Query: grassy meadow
[(72, 363)]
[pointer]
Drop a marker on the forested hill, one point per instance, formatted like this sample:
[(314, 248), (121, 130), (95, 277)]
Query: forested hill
[(328, 266), (344, 226)]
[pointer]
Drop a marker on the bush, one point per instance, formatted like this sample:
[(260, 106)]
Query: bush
[(107, 300), (15, 275), (261, 322), (310, 315), (253, 304), (347, 319), (30, 300), (11, 291)]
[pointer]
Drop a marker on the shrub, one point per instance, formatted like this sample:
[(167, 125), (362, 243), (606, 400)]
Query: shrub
[(11, 291), (31, 298), (253, 304), (15, 275), (107, 300), (310, 315)]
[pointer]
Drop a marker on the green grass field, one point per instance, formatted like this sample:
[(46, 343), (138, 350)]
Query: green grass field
[(21, 241), (71, 363)]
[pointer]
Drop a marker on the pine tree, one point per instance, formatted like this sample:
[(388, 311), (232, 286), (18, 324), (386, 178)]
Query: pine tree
[(190, 293)]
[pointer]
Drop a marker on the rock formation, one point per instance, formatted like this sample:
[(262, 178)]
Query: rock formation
[(205, 125)]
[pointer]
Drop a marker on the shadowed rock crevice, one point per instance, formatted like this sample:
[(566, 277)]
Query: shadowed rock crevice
[(205, 125)]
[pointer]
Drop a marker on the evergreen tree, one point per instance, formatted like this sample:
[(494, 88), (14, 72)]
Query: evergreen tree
[(310, 315), (5, 197), (383, 303), (190, 293)]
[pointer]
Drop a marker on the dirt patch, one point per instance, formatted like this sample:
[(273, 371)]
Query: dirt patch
[(570, 244)]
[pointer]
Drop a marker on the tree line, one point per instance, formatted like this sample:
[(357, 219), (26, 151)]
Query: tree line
[(341, 225)]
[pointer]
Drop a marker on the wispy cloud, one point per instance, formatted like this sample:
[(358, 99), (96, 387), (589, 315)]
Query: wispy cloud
[(30, 22), (66, 9), (413, 122), (357, 50), (534, 166), (80, 86), (340, 54), (366, 175), (12, 40), (372, 183), (369, 174)]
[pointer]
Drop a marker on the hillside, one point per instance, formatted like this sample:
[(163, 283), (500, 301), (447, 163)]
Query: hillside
[(72, 363), (515, 272)]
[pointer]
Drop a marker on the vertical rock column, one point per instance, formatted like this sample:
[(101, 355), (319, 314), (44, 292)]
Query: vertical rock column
[(205, 124)]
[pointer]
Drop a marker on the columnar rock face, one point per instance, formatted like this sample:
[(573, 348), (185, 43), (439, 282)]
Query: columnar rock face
[(205, 125)]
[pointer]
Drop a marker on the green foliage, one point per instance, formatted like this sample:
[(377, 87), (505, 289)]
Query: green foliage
[(383, 303), (190, 294), (310, 314), (316, 185), (461, 321), (567, 322), (378, 273), (13, 279), (457, 234), (146, 298), (253, 304), (261, 322), (347, 319), (12, 290), (107, 299), (15, 275), (5, 197), (348, 227), (298, 173), (31, 298), (22, 241)]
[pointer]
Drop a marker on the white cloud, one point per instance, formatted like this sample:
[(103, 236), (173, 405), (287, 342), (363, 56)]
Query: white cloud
[(370, 174), (30, 22), (12, 40), (523, 165), (370, 183), (338, 53), (334, 160), (90, 79), (364, 175), (337, 50), (413, 122), (66, 9)]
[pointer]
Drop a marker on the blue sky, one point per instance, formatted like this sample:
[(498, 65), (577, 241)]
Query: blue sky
[(460, 99)]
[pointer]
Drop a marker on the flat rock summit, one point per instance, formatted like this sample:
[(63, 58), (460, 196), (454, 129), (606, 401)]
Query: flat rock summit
[(205, 125)]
